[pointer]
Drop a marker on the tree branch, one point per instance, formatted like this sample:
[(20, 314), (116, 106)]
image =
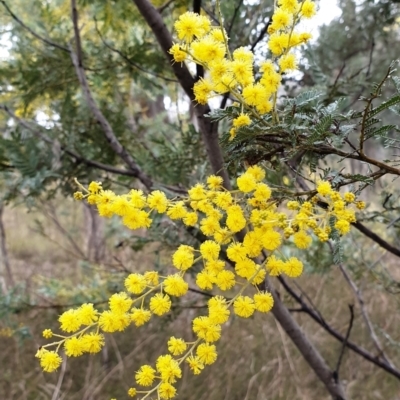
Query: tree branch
[(32, 32), (73, 154), (377, 239), (126, 58), (107, 129), (364, 313), (321, 321), (336, 372), (208, 129), (305, 346)]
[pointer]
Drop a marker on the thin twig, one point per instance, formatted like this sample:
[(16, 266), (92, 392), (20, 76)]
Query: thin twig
[(32, 32), (38, 133), (351, 345), (107, 129), (128, 60), (376, 238), (357, 292), (235, 13), (336, 372), (60, 380)]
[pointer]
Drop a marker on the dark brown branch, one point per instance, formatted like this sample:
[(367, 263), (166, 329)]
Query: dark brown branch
[(305, 346), (208, 129), (377, 239), (235, 13), (336, 372), (107, 129), (321, 321), (262, 33), (364, 313), (199, 68), (164, 6), (32, 32)]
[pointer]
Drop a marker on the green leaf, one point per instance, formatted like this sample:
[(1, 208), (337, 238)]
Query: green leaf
[(387, 104), (307, 97), (380, 132)]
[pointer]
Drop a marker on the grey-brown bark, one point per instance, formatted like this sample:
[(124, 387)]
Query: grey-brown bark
[(306, 348), (101, 119), (4, 252)]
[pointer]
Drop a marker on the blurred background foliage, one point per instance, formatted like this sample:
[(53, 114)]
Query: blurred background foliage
[(57, 253)]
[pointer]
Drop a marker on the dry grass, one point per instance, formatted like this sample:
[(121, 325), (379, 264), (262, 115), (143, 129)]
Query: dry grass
[(256, 359)]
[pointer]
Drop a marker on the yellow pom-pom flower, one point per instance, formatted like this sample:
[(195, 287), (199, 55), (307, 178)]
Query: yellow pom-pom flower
[(274, 266), (210, 250), (135, 283), (293, 267), (87, 314), (195, 364), (74, 347), (145, 376), (288, 62), (50, 361), (177, 53), (183, 258), (158, 201), (244, 306), (206, 353), (132, 392), (120, 303), (246, 183), (302, 240), (271, 240), (92, 342), (308, 9), (140, 316), (263, 302), (225, 280), (205, 279), (175, 285), (160, 304), (241, 120), (176, 346), (47, 334), (69, 321), (324, 188)]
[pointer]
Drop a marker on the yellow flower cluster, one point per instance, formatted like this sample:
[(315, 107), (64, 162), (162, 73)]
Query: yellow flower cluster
[(206, 45), (244, 229)]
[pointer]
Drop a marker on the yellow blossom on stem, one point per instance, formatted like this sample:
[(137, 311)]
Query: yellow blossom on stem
[(92, 342), (176, 346), (195, 364), (183, 258), (145, 376), (206, 353), (140, 316), (263, 302), (135, 283), (160, 304), (50, 361), (302, 240), (132, 392), (47, 334), (241, 120), (175, 285), (244, 306), (293, 267)]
